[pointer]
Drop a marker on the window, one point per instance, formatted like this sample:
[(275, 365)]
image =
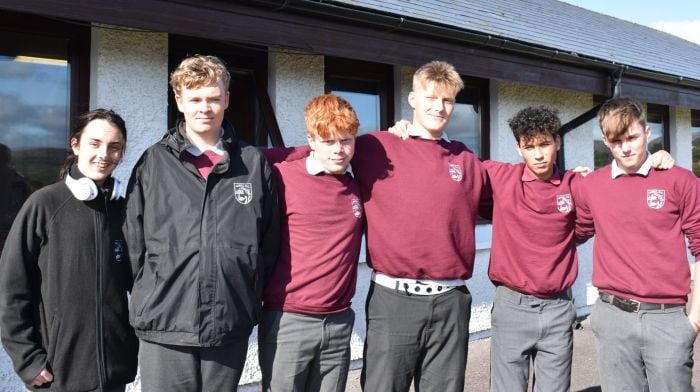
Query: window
[(695, 128), (43, 87), (249, 111), (657, 120), (368, 87), (469, 123)]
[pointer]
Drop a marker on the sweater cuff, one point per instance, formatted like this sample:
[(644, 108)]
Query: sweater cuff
[(29, 372)]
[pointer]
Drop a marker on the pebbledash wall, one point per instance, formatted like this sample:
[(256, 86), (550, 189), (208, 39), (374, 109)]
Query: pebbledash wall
[(129, 74)]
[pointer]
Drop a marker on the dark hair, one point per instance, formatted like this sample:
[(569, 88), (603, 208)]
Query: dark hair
[(81, 122), (533, 121)]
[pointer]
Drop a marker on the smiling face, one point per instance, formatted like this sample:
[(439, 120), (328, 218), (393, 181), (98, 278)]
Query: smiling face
[(99, 150), (333, 153), (203, 108), (432, 105), (540, 154), (630, 148)]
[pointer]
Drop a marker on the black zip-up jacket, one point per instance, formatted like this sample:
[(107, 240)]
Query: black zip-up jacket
[(199, 249), (64, 277)]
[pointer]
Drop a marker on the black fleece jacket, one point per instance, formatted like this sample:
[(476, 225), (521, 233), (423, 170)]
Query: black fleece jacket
[(64, 276)]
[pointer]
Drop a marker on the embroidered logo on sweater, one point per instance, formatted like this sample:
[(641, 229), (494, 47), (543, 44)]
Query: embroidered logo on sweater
[(455, 172), (356, 207), (656, 198), (243, 192), (118, 251), (564, 203)]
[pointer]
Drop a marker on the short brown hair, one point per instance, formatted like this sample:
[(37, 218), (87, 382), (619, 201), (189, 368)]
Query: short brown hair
[(442, 73), (618, 114), (199, 71), (329, 115)]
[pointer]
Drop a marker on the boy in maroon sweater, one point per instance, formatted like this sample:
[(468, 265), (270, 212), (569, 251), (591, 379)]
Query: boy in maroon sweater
[(533, 257), (421, 198), (641, 218), (305, 330)]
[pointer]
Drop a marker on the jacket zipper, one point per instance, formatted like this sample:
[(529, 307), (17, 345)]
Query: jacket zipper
[(99, 260)]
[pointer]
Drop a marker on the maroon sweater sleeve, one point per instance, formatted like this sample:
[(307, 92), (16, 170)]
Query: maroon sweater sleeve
[(285, 154)]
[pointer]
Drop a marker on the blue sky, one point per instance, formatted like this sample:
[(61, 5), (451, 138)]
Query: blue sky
[(679, 17)]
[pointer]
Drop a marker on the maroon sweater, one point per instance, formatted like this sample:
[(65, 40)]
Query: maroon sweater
[(421, 199), (320, 241), (640, 223), (533, 248)]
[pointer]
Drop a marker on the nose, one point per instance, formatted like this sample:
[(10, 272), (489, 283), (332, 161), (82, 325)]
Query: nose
[(102, 151), (537, 153)]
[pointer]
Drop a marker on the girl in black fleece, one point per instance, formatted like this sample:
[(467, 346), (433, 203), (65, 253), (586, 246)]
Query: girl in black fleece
[(64, 274)]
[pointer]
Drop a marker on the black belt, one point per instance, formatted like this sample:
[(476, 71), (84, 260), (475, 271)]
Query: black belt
[(630, 305)]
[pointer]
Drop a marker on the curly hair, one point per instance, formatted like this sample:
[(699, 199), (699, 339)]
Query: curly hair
[(199, 71), (329, 115), (533, 121)]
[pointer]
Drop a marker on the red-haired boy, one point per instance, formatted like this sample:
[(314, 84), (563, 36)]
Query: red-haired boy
[(304, 335)]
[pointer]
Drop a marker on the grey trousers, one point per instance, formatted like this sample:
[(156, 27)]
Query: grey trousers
[(646, 351), (525, 329), (191, 369), (300, 352), (416, 338)]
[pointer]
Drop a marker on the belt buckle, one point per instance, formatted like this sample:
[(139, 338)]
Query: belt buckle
[(636, 305)]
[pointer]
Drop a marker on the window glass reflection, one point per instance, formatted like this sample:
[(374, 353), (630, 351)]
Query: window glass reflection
[(465, 126), (367, 108), (34, 104)]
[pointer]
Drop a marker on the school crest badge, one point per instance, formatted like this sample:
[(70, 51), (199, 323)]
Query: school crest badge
[(243, 192), (455, 172), (656, 198), (356, 207), (564, 203)]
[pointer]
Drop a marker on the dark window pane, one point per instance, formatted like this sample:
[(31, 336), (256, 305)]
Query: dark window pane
[(657, 120)]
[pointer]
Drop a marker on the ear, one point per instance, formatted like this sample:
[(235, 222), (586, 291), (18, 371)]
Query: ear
[(412, 99), (517, 148), (226, 98), (311, 143), (75, 146), (647, 131), (178, 101), (605, 141), (557, 141)]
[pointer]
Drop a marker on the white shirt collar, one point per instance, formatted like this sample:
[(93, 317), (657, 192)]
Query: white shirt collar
[(313, 167), (413, 132), (218, 148), (643, 170)]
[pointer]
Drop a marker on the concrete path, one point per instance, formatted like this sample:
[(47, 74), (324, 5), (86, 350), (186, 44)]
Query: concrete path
[(584, 374)]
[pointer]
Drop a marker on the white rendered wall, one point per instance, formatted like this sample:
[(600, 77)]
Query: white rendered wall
[(129, 74), (293, 79), (681, 136)]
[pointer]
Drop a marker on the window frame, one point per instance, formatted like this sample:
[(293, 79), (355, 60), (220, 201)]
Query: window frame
[(362, 76)]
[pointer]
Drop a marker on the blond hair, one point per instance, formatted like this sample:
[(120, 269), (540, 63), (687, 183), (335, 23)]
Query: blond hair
[(441, 73), (199, 71)]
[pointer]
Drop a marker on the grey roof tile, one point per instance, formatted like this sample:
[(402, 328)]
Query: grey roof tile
[(556, 25)]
